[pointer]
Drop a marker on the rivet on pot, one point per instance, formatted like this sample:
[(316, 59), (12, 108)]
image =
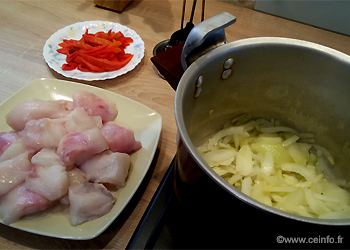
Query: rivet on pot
[(228, 64), (197, 92), (226, 73), (199, 81)]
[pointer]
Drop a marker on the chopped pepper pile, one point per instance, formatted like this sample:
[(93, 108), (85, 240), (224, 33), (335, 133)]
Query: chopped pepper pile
[(99, 52)]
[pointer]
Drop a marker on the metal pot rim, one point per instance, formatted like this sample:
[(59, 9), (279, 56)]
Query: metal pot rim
[(194, 153)]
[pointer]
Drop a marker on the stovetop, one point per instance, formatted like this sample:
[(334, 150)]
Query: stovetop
[(170, 224)]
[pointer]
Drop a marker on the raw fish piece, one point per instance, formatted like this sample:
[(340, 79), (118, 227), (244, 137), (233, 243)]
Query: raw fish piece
[(36, 109), (13, 172), (6, 139), (89, 201), (46, 158), (76, 148), (50, 182), (94, 105), (79, 121), (19, 203), (120, 139), (108, 167), (64, 200), (16, 148), (42, 133), (75, 177)]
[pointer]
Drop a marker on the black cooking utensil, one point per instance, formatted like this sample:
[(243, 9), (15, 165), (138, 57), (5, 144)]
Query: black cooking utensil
[(181, 35)]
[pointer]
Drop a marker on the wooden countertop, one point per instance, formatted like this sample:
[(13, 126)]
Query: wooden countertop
[(26, 25)]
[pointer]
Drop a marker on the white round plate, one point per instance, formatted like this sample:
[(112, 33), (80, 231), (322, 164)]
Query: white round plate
[(75, 31)]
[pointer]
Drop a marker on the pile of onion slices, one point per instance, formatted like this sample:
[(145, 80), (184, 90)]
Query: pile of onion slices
[(278, 166)]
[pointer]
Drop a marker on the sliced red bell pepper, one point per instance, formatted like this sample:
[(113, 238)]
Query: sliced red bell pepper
[(110, 35), (71, 57), (117, 35), (97, 52), (125, 41), (111, 47), (82, 68), (69, 66), (95, 40), (123, 57), (86, 64), (76, 43), (64, 51), (108, 56), (106, 64)]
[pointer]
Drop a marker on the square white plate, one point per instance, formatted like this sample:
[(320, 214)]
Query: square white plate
[(145, 122)]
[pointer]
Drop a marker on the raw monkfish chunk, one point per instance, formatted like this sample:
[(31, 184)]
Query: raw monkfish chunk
[(36, 109), (76, 148), (46, 158), (79, 121), (94, 105), (13, 172), (16, 148), (19, 203), (108, 167), (42, 133), (75, 177), (50, 182), (120, 139), (89, 201), (6, 139)]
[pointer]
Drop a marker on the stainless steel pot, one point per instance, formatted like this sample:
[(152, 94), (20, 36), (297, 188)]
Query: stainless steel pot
[(305, 85)]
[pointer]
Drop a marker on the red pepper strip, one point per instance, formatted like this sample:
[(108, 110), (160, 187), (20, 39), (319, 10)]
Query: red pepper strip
[(114, 59), (105, 64), (82, 44), (117, 35), (125, 41), (103, 36), (95, 51), (110, 35), (69, 66), (81, 68), (71, 57), (95, 40), (76, 43), (86, 64), (122, 52), (64, 51), (123, 57), (114, 50), (109, 56), (73, 49), (87, 33), (67, 50), (116, 43), (66, 41)]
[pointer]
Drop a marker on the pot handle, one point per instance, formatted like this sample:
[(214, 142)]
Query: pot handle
[(205, 36)]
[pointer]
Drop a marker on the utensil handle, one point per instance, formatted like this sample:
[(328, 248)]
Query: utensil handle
[(183, 13), (203, 7), (205, 36), (193, 9)]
